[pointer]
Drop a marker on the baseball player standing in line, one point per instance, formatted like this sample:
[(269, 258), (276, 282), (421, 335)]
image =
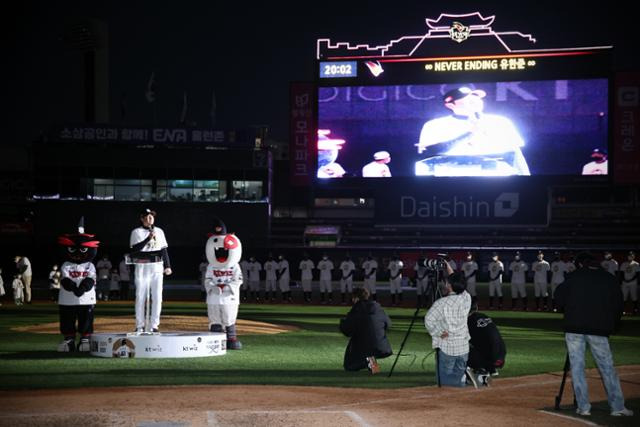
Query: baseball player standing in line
[(422, 281), (496, 270), (306, 276), (370, 266), (609, 264), (558, 270), (270, 279), (630, 269), (325, 266), (244, 289), (284, 278), (347, 268), (518, 269), (149, 250), (470, 269), (540, 269), (395, 267), (254, 269)]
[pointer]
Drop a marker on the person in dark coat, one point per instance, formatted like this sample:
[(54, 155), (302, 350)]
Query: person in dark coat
[(366, 324), (487, 351)]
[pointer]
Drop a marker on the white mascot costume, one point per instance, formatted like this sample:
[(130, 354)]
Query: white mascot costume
[(222, 282)]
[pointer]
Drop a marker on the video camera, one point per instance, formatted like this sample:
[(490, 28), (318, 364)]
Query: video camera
[(434, 264)]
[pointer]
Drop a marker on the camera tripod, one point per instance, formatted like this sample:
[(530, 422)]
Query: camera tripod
[(433, 289), (567, 368)]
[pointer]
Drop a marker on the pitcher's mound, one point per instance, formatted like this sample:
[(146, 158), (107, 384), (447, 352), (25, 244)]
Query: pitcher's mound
[(167, 323)]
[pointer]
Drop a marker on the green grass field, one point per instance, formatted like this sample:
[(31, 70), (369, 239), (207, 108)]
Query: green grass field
[(310, 356)]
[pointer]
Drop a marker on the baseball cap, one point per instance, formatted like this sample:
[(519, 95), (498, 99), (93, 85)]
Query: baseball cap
[(147, 211), (462, 92), (381, 155), (597, 152)]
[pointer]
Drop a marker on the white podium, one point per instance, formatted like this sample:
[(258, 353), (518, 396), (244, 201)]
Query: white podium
[(159, 345)]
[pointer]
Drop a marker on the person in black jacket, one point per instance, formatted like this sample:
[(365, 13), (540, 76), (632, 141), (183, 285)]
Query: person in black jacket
[(487, 351), (592, 303), (366, 324)]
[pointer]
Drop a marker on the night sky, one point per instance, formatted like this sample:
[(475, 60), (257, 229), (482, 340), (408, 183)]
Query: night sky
[(248, 55)]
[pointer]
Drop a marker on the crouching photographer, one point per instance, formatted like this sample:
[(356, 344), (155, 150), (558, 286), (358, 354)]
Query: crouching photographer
[(366, 324), (487, 352), (446, 322)]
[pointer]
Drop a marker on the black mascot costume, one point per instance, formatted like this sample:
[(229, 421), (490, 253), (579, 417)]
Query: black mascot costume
[(77, 296)]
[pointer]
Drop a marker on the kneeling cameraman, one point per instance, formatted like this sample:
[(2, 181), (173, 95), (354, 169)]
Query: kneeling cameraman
[(487, 351), (366, 324), (446, 322)]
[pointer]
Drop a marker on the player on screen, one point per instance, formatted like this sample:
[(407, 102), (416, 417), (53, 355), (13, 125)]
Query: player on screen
[(378, 167), (328, 149), (598, 165), (469, 142)]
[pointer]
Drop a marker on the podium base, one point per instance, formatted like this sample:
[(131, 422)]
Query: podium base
[(159, 344)]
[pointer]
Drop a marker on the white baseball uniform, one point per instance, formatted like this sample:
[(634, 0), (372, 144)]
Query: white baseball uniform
[(558, 270), (495, 285), (630, 270), (540, 269), (223, 294), (422, 279), (244, 268), (611, 265), (270, 268), (285, 276), (347, 268), (395, 276), (254, 269), (148, 276), (325, 266), (77, 273), (306, 274), (470, 267), (370, 267), (518, 271)]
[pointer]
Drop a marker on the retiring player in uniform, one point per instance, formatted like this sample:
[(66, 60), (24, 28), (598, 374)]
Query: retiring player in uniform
[(630, 271), (347, 268), (395, 267), (325, 265), (306, 267), (284, 278), (422, 281), (496, 270), (558, 269), (541, 269), (370, 266), (150, 256), (518, 269), (470, 269), (254, 269), (270, 278), (77, 297)]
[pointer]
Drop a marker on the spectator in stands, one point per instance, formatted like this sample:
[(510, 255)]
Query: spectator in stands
[(366, 324), (591, 300), (23, 266), (54, 282)]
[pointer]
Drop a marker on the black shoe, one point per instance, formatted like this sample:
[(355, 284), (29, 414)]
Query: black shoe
[(155, 330)]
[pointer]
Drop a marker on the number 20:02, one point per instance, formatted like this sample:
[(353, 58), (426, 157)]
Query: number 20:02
[(337, 69)]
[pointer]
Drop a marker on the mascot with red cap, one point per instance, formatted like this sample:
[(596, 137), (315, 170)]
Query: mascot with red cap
[(222, 282), (77, 296)]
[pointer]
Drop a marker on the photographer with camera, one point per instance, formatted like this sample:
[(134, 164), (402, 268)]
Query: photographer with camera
[(446, 322), (366, 324), (591, 300)]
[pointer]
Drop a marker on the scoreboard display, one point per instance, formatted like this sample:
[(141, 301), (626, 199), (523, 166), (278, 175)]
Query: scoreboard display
[(525, 113)]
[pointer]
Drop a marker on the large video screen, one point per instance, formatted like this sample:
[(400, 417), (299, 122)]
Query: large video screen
[(545, 127)]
